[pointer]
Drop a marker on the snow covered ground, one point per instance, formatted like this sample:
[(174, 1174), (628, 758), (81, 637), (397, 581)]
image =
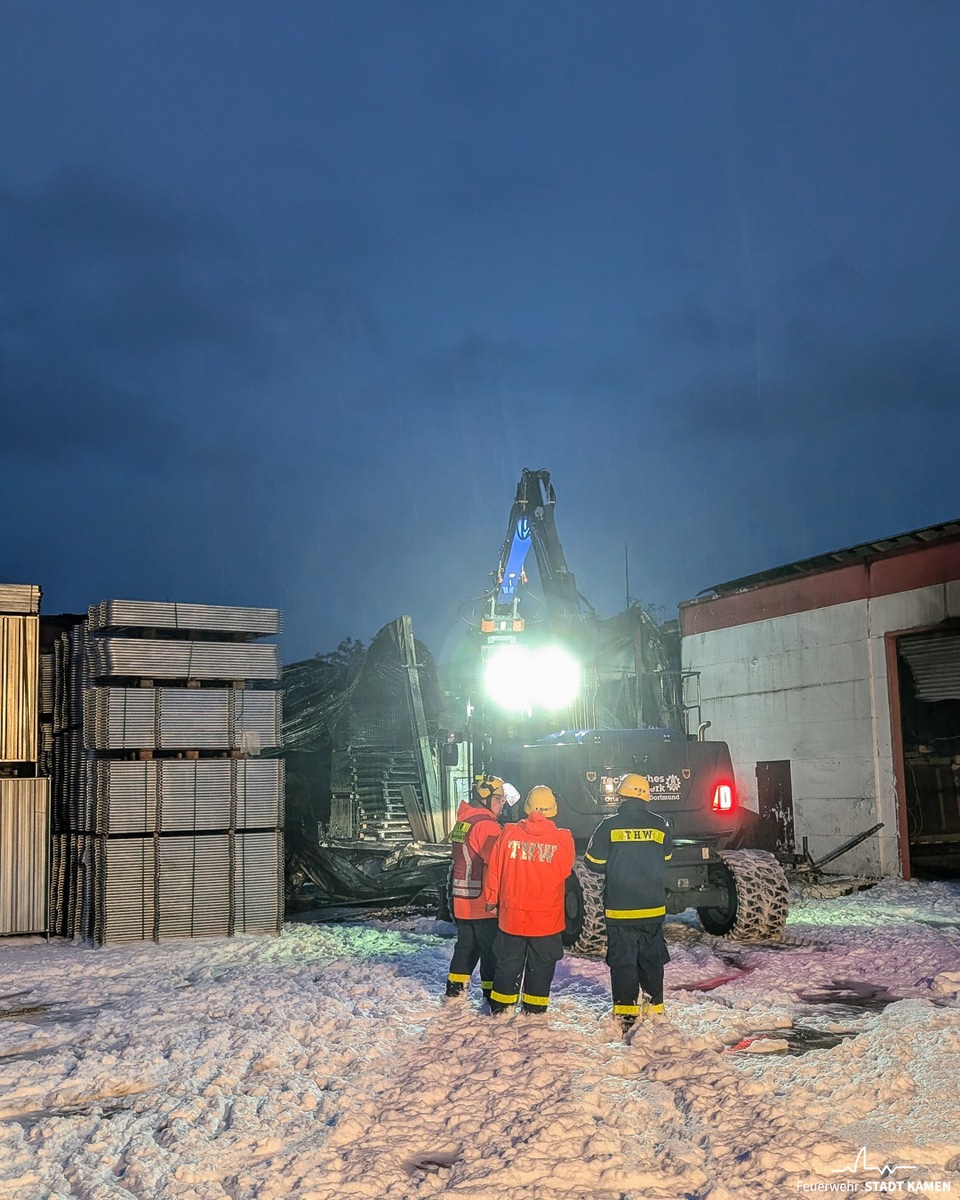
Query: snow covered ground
[(323, 1064)]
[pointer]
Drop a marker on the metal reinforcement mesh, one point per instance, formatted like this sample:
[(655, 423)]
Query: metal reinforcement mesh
[(352, 752), (363, 702)]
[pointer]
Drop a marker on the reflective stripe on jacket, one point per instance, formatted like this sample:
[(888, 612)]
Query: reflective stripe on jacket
[(526, 877), (473, 839), (630, 849)]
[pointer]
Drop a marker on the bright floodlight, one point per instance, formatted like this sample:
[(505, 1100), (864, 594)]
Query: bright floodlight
[(557, 677), (519, 679), (506, 677)]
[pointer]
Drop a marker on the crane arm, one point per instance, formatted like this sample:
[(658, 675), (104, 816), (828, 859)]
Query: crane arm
[(532, 522)]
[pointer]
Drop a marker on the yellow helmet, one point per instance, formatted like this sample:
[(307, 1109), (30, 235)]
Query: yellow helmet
[(486, 786), (636, 787), (542, 800)]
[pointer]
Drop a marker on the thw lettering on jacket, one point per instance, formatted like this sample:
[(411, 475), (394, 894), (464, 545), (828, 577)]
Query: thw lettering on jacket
[(526, 877), (532, 851)]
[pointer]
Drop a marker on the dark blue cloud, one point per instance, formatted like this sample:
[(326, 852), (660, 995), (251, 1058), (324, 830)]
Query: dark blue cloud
[(109, 299), (292, 293)]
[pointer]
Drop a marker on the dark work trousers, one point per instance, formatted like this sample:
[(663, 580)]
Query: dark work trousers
[(474, 945), (636, 953), (532, 959)]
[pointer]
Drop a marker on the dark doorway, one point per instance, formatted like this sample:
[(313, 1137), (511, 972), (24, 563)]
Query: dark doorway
[(929, 678), (775, 802)]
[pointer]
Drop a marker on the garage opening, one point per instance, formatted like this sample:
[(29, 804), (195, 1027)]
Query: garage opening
[(930, 716)]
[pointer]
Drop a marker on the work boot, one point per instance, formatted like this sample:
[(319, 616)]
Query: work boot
[(626, 1020), (454, 991)]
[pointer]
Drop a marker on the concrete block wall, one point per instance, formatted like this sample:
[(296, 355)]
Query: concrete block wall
[(812, 687)]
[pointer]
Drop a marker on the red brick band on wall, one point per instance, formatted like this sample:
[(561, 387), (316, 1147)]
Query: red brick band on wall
[(905, 571)]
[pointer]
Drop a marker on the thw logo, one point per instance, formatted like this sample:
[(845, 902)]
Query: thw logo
[(532, 851)]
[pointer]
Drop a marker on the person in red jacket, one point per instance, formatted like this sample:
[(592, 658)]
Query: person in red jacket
[(473, 840), (525, 884)]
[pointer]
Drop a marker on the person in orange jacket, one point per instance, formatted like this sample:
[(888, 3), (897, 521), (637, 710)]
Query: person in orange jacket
[(473, 840), (525, 883)]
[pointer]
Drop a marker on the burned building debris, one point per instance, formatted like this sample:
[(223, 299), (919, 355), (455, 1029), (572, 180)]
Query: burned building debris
[(366, 814)]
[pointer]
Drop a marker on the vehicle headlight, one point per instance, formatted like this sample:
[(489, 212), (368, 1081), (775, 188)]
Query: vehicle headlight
[(520, 679)]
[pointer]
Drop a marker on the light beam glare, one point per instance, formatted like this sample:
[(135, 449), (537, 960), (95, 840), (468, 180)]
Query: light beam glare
[(520, 680)]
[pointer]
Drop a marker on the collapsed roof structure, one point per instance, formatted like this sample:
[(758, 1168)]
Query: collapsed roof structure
[(365, 818)]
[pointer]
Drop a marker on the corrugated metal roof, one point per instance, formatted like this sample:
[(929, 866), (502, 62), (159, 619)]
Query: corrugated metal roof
[(864, 552)]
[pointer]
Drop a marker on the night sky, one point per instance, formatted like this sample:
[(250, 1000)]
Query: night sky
[(292, 290)]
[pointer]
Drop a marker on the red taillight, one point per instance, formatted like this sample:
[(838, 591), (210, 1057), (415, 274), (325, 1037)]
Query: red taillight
[(724, 797)]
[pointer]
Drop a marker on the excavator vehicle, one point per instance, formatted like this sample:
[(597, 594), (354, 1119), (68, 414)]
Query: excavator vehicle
[(582, 747), (545, 692), (739, 894)]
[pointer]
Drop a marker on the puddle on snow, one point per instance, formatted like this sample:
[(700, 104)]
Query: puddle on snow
[(843, 999), (20, 1055), (800, 1039), (27, 1120), (431, 1162), (846, 995), (46, 1014)]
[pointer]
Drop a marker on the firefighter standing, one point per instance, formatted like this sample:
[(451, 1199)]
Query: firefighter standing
[(629, 849), (473, 839), (525, 882)]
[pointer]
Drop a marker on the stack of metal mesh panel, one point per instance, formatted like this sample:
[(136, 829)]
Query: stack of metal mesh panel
[(72, 873), (129, 616), (258, 881), (344, 795), (183, 795), (175, 829), (125, 718), (366, 803), (24, 792), (163, 658), (380, 773), (46, 713)]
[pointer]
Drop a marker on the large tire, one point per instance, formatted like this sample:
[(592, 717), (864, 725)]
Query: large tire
[(586, 930), (759, 898)]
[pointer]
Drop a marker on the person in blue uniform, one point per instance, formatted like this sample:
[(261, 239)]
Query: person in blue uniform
[(629, 850)]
